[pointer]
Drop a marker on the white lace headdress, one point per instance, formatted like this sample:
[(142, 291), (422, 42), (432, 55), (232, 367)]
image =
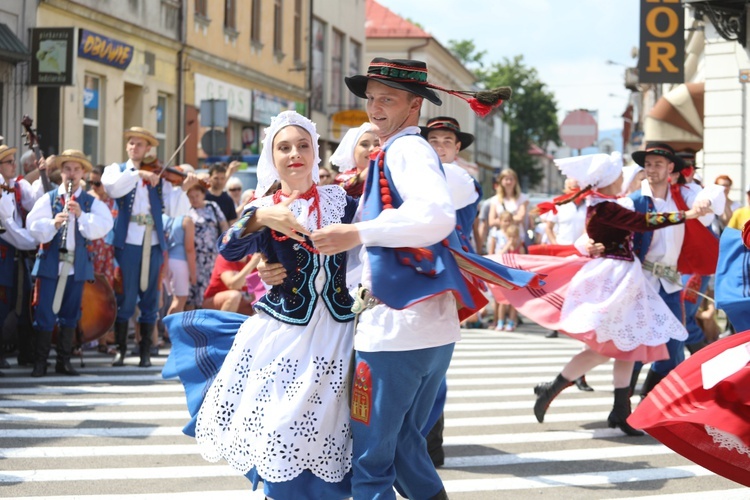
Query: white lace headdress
[(597, 170), (267, 173), (343, 157)]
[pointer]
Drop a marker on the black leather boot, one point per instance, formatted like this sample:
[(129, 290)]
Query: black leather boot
[(41, 353), (64, 351), (434, 440), (546, 392), (441, 495), (634, 378), (147, 330), (121, 339), (652, 378), (582, 385), (621, 411), (25, 347)]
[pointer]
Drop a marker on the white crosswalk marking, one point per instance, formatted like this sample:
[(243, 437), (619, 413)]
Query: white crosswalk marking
[(116, 434)]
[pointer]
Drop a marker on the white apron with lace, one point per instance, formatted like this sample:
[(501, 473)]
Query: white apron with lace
[(614, 298), (279, 402)]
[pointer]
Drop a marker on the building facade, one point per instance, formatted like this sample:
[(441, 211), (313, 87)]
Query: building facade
[(123, 68), (253, 56), (16, 18)]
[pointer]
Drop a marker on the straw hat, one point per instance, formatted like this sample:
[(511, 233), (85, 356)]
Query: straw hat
[(143, 134), (6, 151), (73, 155)]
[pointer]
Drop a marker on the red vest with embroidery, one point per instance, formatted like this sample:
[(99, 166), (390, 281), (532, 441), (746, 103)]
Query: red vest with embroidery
[(700, 249)]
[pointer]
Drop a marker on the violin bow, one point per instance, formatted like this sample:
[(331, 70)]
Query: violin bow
[(174, 155)]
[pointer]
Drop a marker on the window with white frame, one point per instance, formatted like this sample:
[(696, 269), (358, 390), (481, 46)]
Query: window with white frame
[(92, 117)]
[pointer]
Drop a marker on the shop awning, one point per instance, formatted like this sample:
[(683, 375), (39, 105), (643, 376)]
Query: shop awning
[(677, 118), (11, 48)]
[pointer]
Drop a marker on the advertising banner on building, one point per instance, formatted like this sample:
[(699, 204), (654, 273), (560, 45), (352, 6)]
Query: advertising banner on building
[(104, 50), (53, 56), (661, 58)]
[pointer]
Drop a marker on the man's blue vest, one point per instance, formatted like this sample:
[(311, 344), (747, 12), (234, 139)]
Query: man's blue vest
[(402, 277), (48, 256), (125, 209)]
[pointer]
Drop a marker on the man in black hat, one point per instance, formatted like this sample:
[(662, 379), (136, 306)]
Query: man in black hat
[(408, 324), (445, 136), (386, 448), (662, 252)]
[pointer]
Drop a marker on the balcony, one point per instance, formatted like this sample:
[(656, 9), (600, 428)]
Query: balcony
[(729, 17)]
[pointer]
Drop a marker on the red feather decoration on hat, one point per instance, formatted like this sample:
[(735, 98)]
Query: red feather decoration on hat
[(482, 101)]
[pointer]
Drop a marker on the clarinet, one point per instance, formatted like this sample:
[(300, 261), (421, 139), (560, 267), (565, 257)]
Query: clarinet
[(64, 225)]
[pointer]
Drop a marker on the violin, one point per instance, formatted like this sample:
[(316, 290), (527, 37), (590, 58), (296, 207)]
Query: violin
[(173, 175)]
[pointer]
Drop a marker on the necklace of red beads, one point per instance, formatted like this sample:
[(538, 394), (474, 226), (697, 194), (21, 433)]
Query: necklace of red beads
[(311, 193), (385, 190)]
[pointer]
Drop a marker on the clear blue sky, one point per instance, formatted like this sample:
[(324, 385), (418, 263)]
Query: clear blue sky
[(567, 41)]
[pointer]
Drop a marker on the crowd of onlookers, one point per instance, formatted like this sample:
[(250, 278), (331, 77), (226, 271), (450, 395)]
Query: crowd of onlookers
[(194, 275)]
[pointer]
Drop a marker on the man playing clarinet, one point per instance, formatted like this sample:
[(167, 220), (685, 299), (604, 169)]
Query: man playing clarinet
[(63, 221)]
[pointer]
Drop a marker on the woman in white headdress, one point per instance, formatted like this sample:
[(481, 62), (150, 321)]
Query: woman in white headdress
[(632, 175), (609, 305), (352, 157), (275, 405)]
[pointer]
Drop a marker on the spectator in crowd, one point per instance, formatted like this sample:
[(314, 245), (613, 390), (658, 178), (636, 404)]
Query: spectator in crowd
[(326, 177), (234, 190), (181, 260), (482, 226), (227, 290), (509, 198), (729, 206), (217, 176), (209, 224), (506, 239), (741, 215)]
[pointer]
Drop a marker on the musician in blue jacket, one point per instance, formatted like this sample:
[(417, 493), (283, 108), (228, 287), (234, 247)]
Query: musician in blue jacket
[(142, 196), (16, 246), (63, 221)]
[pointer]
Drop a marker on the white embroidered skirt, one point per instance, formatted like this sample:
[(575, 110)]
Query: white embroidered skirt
[(612, 307), (279, 402)]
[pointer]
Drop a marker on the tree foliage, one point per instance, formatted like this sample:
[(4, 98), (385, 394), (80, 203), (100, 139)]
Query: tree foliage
[(531, 113)]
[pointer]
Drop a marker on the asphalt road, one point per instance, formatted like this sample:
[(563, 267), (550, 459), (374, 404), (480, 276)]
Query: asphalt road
[(115, 433)]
